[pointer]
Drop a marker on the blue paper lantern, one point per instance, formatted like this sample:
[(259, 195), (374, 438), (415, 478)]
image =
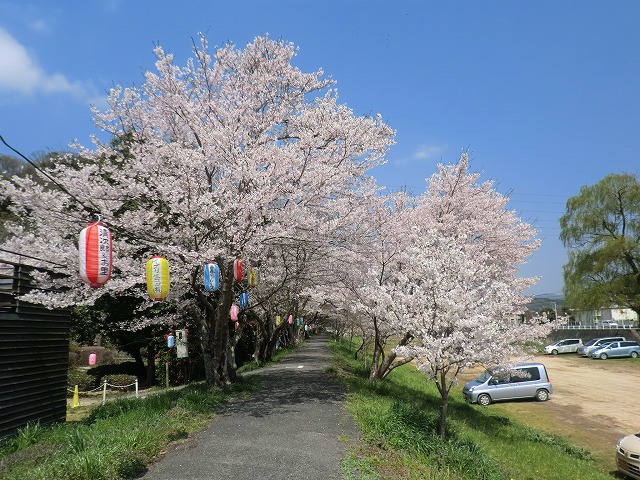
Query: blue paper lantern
[(211, 277), (171, 341), (243, 300)]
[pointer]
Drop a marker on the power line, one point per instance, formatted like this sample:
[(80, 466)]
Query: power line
[(88, 209)]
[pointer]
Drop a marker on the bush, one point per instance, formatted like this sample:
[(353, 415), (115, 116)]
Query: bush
[(80, 378)]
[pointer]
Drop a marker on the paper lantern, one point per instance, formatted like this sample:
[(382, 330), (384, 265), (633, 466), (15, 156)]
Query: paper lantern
[(157, 277), (253, 277), (278, 319), (243, 300), (211, 277), (290, 320), (171, 341), (94, 248), (234, 312), (93, 358), (237, 270)]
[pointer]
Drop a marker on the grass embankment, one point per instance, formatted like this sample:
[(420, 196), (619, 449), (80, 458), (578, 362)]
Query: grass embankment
[(398, 418), (115, 440)]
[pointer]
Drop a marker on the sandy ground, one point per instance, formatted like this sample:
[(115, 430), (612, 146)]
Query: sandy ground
[(594, 402)]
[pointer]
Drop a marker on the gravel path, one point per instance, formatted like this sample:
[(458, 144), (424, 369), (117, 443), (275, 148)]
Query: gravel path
[(294, 427)]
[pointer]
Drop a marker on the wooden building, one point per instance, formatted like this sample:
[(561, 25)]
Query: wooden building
[(34, 355)]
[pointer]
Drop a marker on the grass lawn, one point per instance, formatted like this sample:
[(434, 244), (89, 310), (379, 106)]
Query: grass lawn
[(398, 418)]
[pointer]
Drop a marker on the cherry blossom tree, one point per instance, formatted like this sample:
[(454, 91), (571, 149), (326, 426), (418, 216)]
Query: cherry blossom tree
[(459, 292), (222, 158)]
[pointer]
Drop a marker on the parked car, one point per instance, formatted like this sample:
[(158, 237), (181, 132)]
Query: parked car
[(566, 345), (593, 344), (628, 455), (529, 380), (609, 324), (616, 350)]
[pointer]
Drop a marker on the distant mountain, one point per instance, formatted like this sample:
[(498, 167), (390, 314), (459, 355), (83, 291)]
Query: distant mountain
[(546, 300)]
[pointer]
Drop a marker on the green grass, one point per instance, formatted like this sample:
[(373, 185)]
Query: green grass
[(398, 418), (116, 440)]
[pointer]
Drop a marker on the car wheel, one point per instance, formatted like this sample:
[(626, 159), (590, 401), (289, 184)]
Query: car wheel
[(542, 395), (554, 352), (484, 399), (634, 354), (603, 356)]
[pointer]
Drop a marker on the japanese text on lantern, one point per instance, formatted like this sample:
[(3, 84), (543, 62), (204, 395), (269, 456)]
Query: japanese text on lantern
[(156, 278), (103, 242)]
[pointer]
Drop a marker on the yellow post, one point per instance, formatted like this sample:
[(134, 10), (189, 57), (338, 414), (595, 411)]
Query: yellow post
[(76, 398)]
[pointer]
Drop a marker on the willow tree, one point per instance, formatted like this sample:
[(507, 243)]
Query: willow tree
[(601, 226)]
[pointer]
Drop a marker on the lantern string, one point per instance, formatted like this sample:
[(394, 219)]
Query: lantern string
[(29, 256), (89, 209)]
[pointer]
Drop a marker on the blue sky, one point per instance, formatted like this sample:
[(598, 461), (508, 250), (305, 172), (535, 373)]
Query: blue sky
[(544, 95)]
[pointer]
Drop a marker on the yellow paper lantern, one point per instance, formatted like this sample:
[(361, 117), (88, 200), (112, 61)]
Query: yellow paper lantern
[(253, 277), (158, 277)]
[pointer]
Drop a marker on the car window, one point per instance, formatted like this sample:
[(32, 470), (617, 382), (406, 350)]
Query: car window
[(591, 342), (525, 374)]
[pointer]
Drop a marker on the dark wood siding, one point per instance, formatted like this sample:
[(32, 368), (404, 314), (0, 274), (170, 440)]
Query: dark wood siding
[(34, 355)]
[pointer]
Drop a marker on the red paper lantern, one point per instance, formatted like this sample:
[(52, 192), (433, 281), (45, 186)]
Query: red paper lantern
[(94, 248), (237, 270)]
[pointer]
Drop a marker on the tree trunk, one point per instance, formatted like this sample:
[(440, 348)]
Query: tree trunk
[(444, 403), (355, 355), (262, 340), (378, 352), (150, 380), (221, 333), (232, 366), (387, 365)]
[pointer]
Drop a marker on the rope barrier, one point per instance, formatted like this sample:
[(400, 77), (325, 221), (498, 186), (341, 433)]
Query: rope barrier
[(76, 393)]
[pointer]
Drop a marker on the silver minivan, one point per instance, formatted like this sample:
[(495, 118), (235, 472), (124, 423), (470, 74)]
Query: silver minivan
[(566, 345), (528, 380), (593, 344)]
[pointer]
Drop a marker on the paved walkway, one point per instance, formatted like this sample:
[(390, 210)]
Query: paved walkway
[(290, 429)]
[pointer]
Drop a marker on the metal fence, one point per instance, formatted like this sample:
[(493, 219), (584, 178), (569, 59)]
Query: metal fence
[(592, 326)]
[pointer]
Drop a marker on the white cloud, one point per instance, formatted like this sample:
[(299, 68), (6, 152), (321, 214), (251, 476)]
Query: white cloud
[(19, 72), (422, 153), (39, 25), (428, 152)]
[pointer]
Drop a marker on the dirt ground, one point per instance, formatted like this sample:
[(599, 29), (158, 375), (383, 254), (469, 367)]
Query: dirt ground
[(594, 403)]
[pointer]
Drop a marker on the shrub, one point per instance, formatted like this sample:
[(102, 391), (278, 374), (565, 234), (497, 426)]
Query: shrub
[(81, 378)]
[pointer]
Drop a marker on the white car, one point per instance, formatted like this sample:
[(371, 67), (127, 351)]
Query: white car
[(566, 345), (609, 324), (628, 455)]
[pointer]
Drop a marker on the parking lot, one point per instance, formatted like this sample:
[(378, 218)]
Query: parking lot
[(593, 394), (594, 402)]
